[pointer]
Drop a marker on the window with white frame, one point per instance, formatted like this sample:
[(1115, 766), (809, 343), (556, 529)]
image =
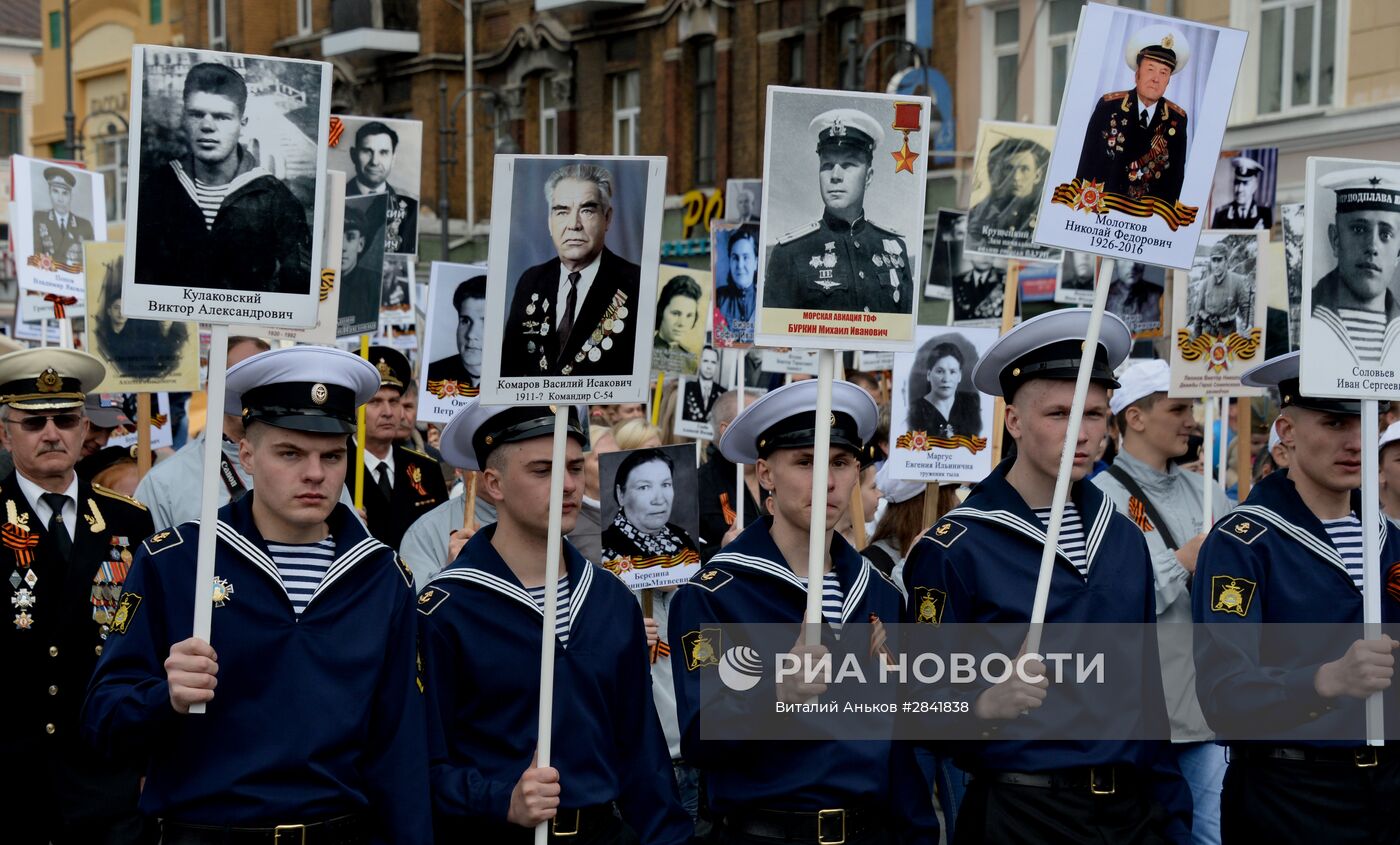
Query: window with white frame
[(111, 166), (304, 17), (627, 111), (1005, 59), (1297, 54), (218, 24), (1064, 23), (549, 118)]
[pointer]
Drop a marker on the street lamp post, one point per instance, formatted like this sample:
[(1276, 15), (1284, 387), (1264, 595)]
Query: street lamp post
[(68, 116)]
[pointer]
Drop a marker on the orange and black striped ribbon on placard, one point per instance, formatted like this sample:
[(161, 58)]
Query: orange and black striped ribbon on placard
[(682, 557), (920, 441), (1237, 346), (47, 262), (337, 129), (60, 303), (1083, 196)]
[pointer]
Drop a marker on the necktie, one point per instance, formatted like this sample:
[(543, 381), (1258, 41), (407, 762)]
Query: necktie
[(1142, 119), (384, 486), (56, 528), (566, 323)]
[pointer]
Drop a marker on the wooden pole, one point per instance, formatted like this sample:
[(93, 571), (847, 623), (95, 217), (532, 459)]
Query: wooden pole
[(209, 503), (1008, 319), (1222, 475), (1244, 457), (143, 434), (656, 399), (469, 514), (551, 599), (739, 484), (858, 517), (1208, 467), (360, 439), (821, 470), (1371, 580), (1076, 416)]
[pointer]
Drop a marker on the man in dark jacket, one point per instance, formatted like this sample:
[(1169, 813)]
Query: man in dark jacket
[(215, 218)]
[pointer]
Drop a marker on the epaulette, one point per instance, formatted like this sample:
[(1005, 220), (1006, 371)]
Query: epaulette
[(711, 579), (885, 230), (163, 540), (946, 533), (799, 232), (1242, 528), (1114, 95), (404, 571), (98, 488), (425, 456), (1173, 107), (430, 598)]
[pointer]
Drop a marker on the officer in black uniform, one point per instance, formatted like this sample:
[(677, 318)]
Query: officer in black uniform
[(1135, 143), (842, 262), (58, 232), (67, 548), (401, 484)]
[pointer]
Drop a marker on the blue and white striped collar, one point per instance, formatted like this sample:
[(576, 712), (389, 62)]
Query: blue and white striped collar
[(754, 551)]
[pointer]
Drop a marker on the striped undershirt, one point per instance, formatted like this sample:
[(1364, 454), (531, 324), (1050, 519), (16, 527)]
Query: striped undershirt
[(1346, 535), (561, 610), (1367, 332), (1071, 535), (210, 199), (832, 598), (302, 567)]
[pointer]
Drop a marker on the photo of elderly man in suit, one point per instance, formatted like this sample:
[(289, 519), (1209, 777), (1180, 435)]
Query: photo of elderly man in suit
[(575, 314), (58, 232)]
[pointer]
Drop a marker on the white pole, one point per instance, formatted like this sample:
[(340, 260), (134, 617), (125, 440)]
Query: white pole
[(44, 332), (551, 598), (65, 332), (209, 504), (470, 105), (1222, 475), (821, 467), (1370, 530), (1208, 444), (1076, 416), (739, 468)]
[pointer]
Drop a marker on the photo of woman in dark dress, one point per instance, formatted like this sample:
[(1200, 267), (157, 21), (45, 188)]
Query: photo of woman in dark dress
[(138, 349), (735, 295), (942, 402), (642, 535)]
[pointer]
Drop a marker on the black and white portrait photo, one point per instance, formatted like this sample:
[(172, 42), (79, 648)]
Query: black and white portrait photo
[(1136, 294), (650, 515), (1292, 217), (947, 260), (1077, 272), (573, 268), (1143, 116), (456, 339), (228, 183), (682, 319), (1008, 177), (741, 200), (1242, 196), (980, 291), (328, 304), (843, 214), (383, 156), (361, 265), (56, 210), (1218, 309), (940, 424), (734, 260), (698, 397), (140, 355), (396, 292), (1221, 292), (1351, 268)]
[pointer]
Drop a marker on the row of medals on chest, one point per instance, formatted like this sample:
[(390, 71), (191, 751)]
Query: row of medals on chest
[(106, 582)]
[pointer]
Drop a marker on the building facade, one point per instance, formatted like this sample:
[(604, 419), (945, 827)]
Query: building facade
[(19, 88)]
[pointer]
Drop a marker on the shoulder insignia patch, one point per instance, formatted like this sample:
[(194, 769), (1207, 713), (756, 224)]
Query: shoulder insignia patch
[(799, 232), (1114, 95), (1174, 108), (1244, 529), (946, 533), (422, 455), (430, 598), (163, 540), (702, 648), (1229, 594), (126, 611), (711, 579), (404, 571), (932, 603), (113, 494)]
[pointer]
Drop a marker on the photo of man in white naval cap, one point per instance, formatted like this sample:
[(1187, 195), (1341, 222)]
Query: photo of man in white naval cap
[(1243, 194)]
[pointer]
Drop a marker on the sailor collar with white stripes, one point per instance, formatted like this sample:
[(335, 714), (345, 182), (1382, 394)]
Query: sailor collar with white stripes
[(483, 567), (996, 502)]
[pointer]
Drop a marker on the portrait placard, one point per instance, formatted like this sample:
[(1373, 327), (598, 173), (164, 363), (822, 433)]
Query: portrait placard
[(572, 270), (162, 431), (1137, 294), (734, 265), (225, 218), (1351, 319), (797, 362), (871, 362), (361, 278), (948, 258), (940, 425), (682, 318), (382, 156), (1077, 273), (1218, 315), (397, 291), (1141, 123), (1292, 215), (57, 208), (698, 397), (1242, 193), (1008, 177), (327, 313), (843, 216), (141, 356), (741, 200), (650, 515), (979, 293), (455, 342)]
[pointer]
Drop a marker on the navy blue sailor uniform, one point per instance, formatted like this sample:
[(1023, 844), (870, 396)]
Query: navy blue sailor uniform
[(481, 648), (834, 265), (318, 716), (875, 782), (1271, 560), (980, 564)]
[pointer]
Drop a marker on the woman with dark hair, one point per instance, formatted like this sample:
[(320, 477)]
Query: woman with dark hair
[(736, 298), (677, 313), (942, 409), (642, 535), (138, 349)]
